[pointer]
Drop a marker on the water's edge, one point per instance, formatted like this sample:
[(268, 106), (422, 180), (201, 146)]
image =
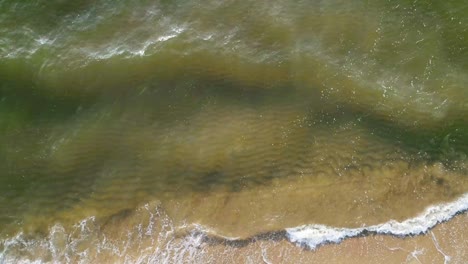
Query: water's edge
[(313, 236), (193, 238)]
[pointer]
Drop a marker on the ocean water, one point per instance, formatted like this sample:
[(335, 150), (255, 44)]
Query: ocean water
[(164, 131)]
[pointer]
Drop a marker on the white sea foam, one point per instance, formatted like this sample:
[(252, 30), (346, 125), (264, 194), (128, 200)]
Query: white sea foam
[(313, 236)]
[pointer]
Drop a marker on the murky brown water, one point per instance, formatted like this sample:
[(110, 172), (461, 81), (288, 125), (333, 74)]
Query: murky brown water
[(234, 119)]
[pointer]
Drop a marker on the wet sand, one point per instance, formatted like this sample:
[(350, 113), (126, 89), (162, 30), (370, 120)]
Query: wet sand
[(148, 235), (446, 243)]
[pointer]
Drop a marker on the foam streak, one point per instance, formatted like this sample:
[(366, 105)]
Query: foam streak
[(313, 236)]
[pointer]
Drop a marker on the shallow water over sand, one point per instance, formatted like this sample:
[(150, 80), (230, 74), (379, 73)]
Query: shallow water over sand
[(238, 166), (147, 235), (233, 119)]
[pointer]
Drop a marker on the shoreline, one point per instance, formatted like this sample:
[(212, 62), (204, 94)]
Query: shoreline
[(316, 235), (149, 235)]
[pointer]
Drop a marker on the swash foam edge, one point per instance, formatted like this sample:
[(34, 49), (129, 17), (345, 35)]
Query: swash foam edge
[(313, 236), (165, 248)]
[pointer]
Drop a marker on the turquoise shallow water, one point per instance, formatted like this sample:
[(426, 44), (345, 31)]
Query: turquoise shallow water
[(215, 109)]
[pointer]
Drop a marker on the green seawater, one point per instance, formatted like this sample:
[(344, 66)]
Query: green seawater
[(216, 109)]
